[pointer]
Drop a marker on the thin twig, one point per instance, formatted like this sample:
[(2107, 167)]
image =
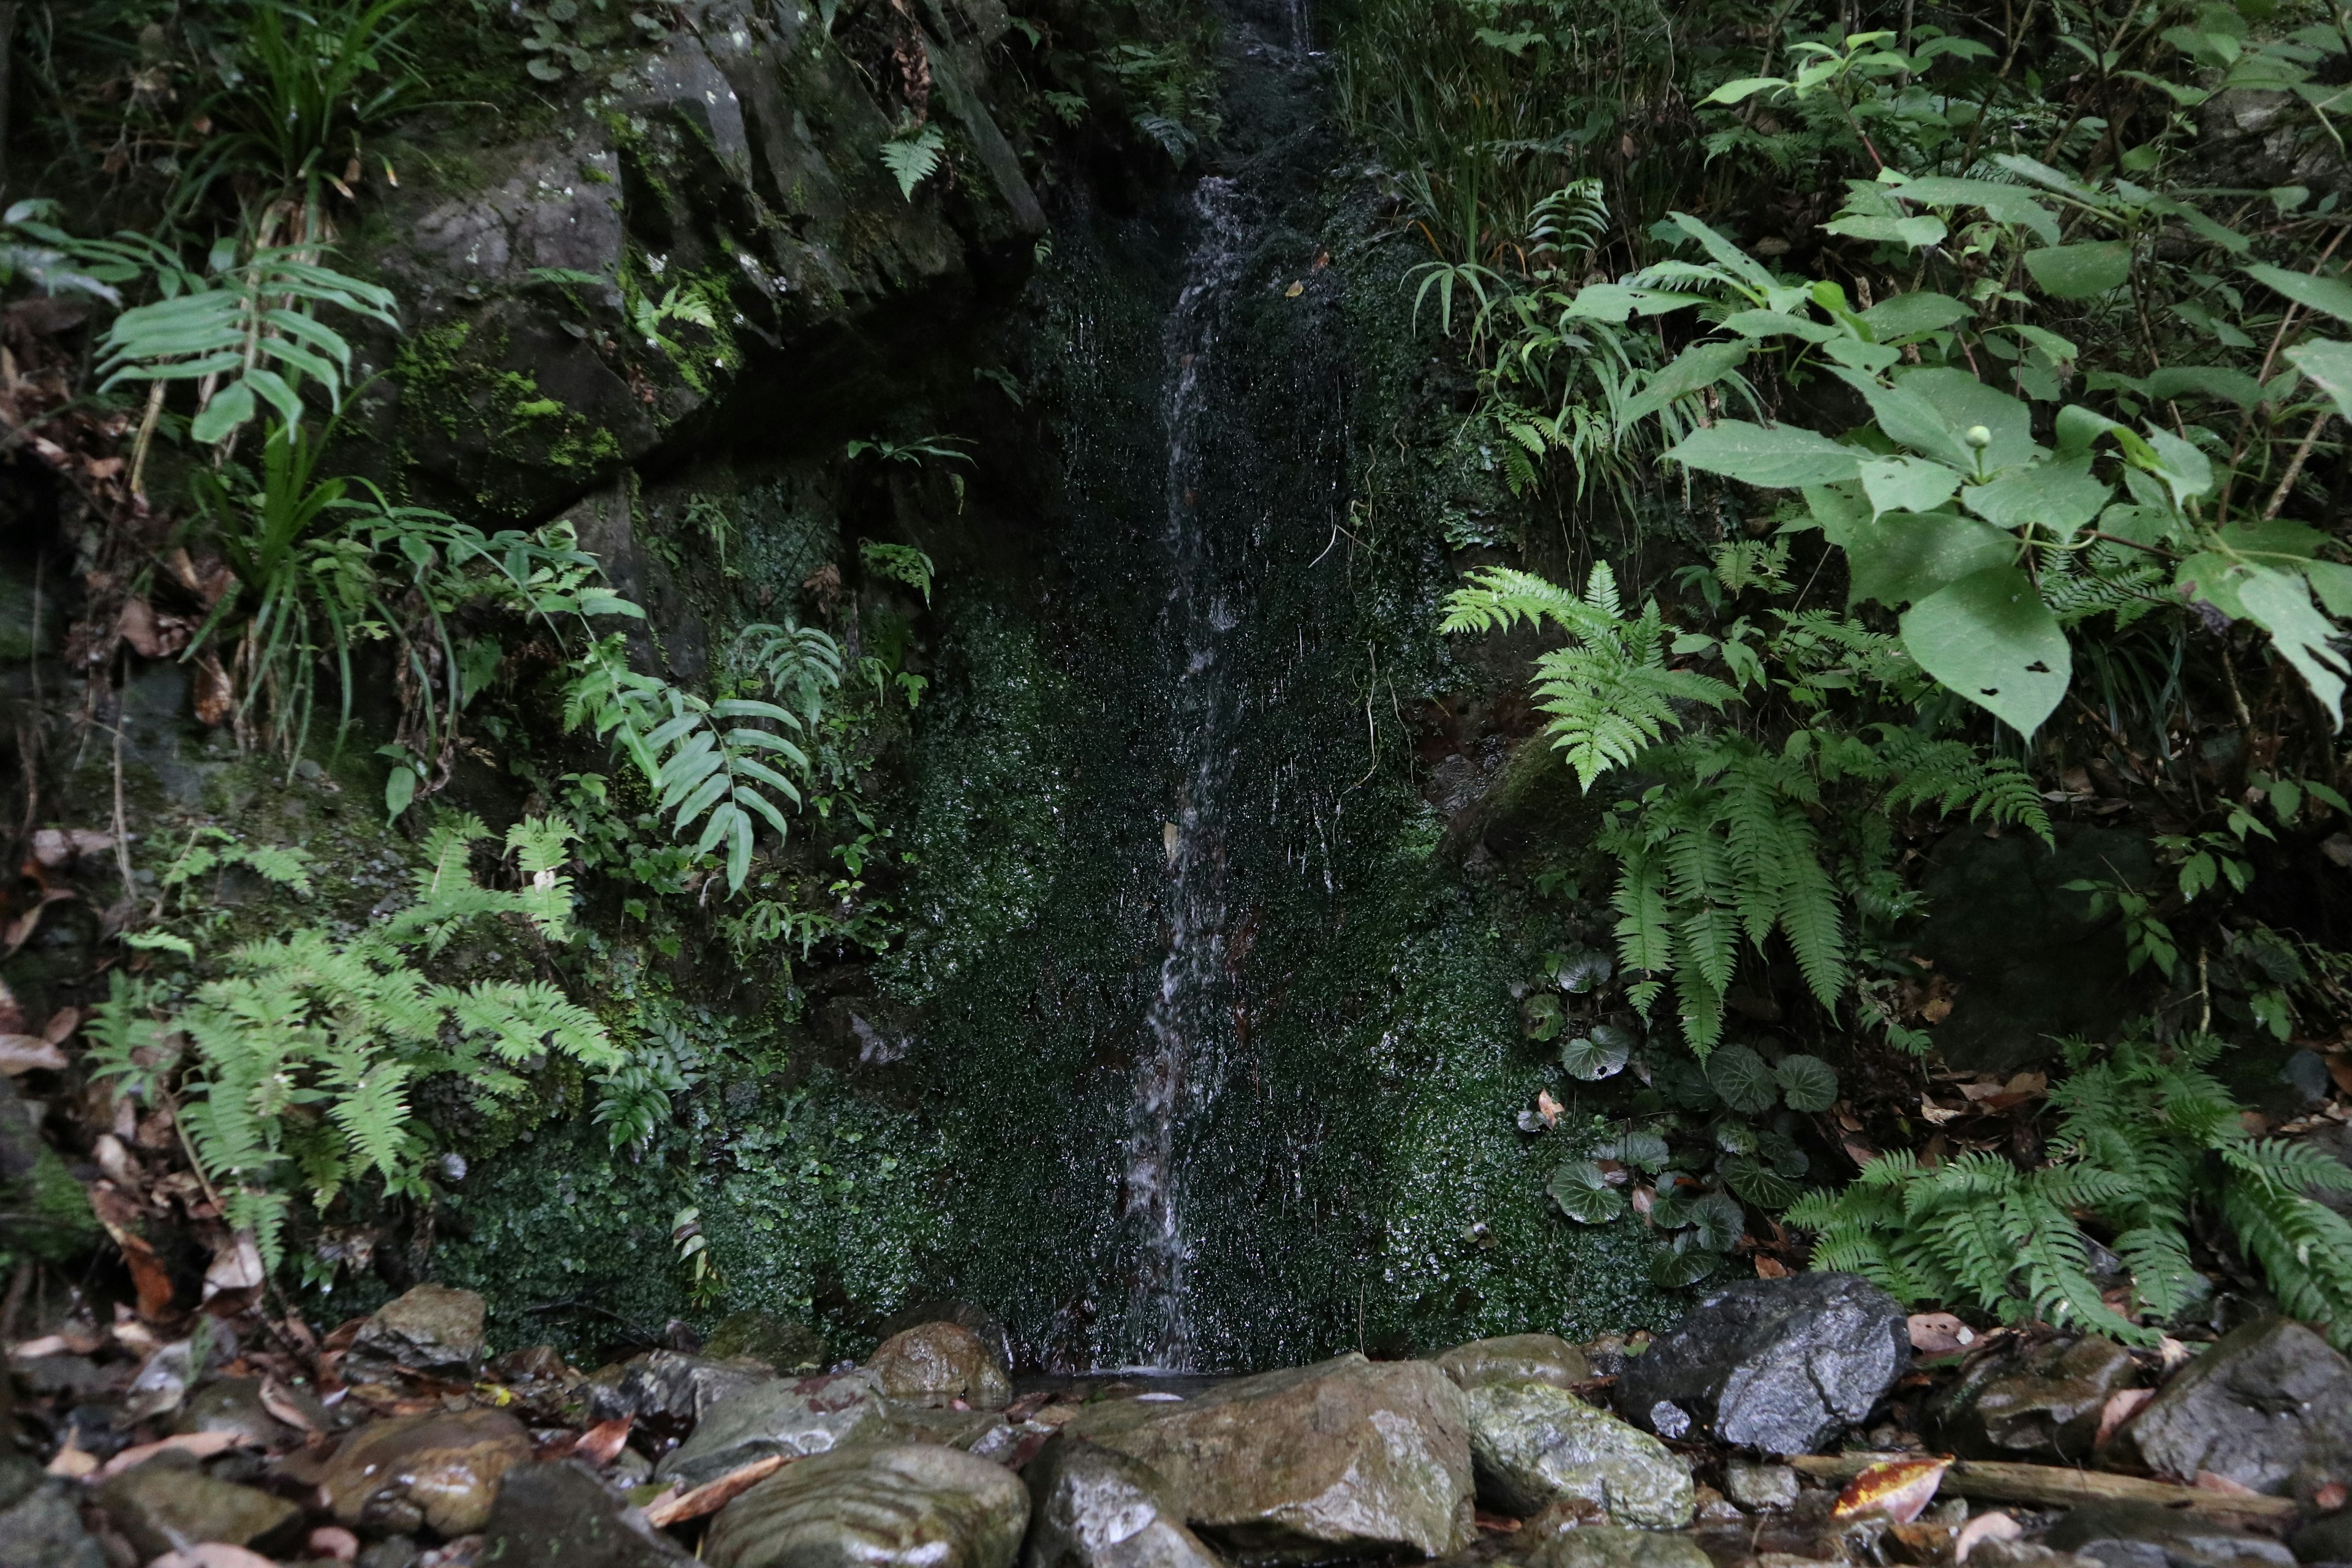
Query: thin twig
[(2295, 466)]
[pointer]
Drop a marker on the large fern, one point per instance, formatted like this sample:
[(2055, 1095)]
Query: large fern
[(2148, 1142)]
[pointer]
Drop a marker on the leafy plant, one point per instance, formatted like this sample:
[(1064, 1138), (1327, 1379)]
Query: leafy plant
[(300, 1054), (2149, 1147), (914, 155), (570, 35), (899, 564)]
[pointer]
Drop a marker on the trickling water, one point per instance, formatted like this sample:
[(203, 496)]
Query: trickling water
[(1180, 1075)]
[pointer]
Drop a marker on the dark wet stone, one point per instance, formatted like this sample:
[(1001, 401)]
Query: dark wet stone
[(1613, 1546), (40, 1520), (160, 1506), (1535, 1444), (234, 1404), (2268, 1405), (2142, 1536), (964, 1315), (1093, 1508), (1761, 1486), (560, 1516), (1780, 1365), (1343, 1457), (1516, 1358), (939, 1363), (2041, 1405), (810, 1416), (437, 1471), (777, 1343), (432, 1329), (2325, 1540), (669, 1391), (897, 1506)]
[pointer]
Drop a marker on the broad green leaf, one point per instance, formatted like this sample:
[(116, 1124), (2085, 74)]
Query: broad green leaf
[(1591, 1060), (1989, 637), (1910, 420), (229, 409), (1741, 1076), (399, 790), (1779, 457), (1727, 256), (1907, 315), (2331, 295), (2002, 203), (1675, 1266), (1908, 484), (2206, 380), (2080, 271), (1717, 1222), (1583, 1194), (1742, 88), (1646, 1151), (2061, 496), (1808, 1083), (1915, 233), (1757, 1182), (1697, 367), (1965, 402), (2329, 365), (2186, 470), (2280, 603), (1904, 556), (1778, 324), (2333, 583), (1613, 302)]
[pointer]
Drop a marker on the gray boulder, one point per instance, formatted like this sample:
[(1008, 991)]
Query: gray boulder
[(1754, 1485), (432, 1329), (2043, 1403), (40, 1523), (2325, 1540), (2268, 1405), (890, 1507), (671, 1391), (1613, 1546), (1093, 1508), (812, 1415), (1780, 1365), (1516, 1358), (1534, 1444), (1343, 1457), (2142, 1536), (161, 1506), (940, 1363), (560, 1516)]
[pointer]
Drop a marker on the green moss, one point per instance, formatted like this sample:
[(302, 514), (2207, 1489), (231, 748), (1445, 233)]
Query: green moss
[(47, 1214)]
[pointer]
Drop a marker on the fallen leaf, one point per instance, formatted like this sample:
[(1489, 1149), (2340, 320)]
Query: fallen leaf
[(602, 1443), (1498, 1523), (20, 931), (236, 1266), (2028, 1083), (2330, 1498), (62, 1024), (198, 1445), (1984, 1527), (29, 1053), (286, 1408), (2176, 1354), (2341, 1069), (138, 626), (334, 1542), (1547, 1107), (118, 1214), (2120, 1408), (213, 1555), (1938, 1114), (1939, 1333), (2207, 1481), (12, 1015), (1859, 1151), (711, 1496), (73, 1461), (1900, 1489), (1769, 1268), (214, 697), (1294, 291)]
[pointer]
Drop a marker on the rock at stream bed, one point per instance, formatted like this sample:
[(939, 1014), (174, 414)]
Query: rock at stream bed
[(1780, 1365), (937, 1362), (1341, 1458), (2041, 1405), (2140, 1535), (559, 1515), (435, 1470), (1755, 1486), (2268, 1405), (669, 1391), (777, 1343), (1613, 1546), (1535, 1444), (40, 1520), (162, 1505), (1093, 1508), (900, 1506), (432, 1329), (810, 1416), (1516, 1358), (2325, 1540)]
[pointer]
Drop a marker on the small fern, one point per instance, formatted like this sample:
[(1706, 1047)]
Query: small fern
[(2148, 1144), (913, 157)]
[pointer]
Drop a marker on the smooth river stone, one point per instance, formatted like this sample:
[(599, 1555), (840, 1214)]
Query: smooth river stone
[(1516, 1358), (900, 1506), (1535, 1444), (811, 1416), (1343, 1458), (1095, 1508), (937, 1362), (436, 1470)]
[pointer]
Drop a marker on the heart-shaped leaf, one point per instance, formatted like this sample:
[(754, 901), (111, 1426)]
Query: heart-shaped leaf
[(1807, 1083), (1740, 1076), (1990, 639), (1717, 1221), (1757, 1183), (1592, 1059), (1584, 1195)]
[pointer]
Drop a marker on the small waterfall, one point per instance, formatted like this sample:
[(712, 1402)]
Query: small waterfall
[(1179, 1077)]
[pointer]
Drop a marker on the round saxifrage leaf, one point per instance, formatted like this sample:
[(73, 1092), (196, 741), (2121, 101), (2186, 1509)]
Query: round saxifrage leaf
[(1682, 1264), (1807, 1083), (1989, 637), (1758, 1184), (1584, 1195), (1780, 1152), (1592, 1058), (1740, 1076), (1717, 1221), (1646, 1151), (1540, 1016), (1582, 971), (1734, 1137)]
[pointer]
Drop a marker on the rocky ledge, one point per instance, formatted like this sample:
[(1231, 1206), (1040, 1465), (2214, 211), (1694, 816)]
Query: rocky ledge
[(398, 1442)]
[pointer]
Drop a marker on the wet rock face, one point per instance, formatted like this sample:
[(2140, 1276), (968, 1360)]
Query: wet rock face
[(40, 1520), (890, 1507), (160, 1506), (2327, 1540), (435, 1471), (1761, 1486), (2269, 1407), (1516, 1358), (1613, 1546), (777, 1343), (432, 1328), (2138, 1535), (235, 1404), (669, 1391), (812, 1415), (1093, 1508), (1535, 1444), (1338, 1459), (2043, 1404), (936, 1362), (1782, 1365), (559, 1516)]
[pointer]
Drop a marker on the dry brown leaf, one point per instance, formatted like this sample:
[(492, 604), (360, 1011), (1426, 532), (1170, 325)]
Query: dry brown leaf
[(213, 1554), (1547, 1107), (1901, 1489), (711, 1496), (285, 1407), (138, 626), (1939, 1333), (2222, 1486), (2120, 1408), (334, 1543), (602, 1443), (29, 1053), (199, 1445), (1770, 1267), (236, 1266), (1937, 1114), (20, 931), (1984, 1527), (73, 1461), (119, 1215), (215, 699)]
